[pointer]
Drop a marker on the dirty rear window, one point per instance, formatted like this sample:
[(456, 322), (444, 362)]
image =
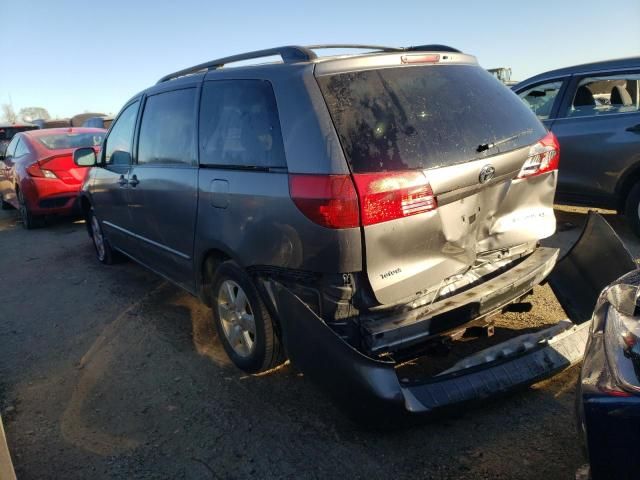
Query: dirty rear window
[(71, 140), (424, 117)]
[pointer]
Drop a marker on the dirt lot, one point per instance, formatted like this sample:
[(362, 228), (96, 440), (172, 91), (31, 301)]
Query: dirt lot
[(111, 372)]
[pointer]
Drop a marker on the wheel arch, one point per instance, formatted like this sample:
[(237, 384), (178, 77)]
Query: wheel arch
[(628, 179), (85, 209), (207, 265)]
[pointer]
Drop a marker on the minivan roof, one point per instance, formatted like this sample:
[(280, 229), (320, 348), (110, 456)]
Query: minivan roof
[(294, 54), (613, 64)]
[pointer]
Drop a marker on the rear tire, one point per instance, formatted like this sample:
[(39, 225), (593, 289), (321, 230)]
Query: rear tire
[(632, 208), (29, 220), (104, 252), (243, 323)]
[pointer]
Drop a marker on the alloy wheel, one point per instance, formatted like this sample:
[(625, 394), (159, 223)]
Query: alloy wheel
[(236, 317)]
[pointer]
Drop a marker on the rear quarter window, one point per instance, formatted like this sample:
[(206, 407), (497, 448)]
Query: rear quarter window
[(424, 117)]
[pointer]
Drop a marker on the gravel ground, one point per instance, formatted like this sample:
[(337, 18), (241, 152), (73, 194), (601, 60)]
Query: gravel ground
[(111, 372)]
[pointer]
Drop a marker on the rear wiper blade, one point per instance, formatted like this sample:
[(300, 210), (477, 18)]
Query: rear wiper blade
[(488, 146)]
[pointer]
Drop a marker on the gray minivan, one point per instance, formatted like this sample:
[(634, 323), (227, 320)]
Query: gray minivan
[(350, 208)]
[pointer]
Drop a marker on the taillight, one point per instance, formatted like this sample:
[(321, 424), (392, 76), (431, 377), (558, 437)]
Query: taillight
[(429, 58), (544, 157), (387, 196), (328, 200), (35, 171)]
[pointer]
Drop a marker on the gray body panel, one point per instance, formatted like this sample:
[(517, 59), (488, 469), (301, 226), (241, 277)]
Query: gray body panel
[(470, 219), (596, 154), (163, 219), (110, 200), (257, 224)]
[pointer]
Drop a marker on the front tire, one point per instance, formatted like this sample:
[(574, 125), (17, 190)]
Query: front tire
[(104, 252), (242, 321), (632, 209)]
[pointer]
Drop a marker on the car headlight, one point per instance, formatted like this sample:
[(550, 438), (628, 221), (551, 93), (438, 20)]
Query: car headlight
[(622, 346)]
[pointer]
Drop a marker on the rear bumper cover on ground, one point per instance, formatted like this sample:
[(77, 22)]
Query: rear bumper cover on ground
[(370, 386), (367, 384)]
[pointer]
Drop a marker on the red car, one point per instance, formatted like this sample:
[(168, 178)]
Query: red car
[(37, 173)]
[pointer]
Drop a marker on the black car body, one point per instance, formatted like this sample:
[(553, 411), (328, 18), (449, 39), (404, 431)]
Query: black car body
[(609, 389), (594, 111)]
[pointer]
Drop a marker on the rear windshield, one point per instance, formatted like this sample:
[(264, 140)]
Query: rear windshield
[(425, 117), (71, 140), (7, 133)]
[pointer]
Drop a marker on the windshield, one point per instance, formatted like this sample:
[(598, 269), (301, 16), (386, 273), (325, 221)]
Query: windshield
[(424, 117), (71, 140)]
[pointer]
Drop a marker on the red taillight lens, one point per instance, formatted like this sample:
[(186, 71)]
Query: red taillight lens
[(387, 196), (544, 157), (328, 200), (34, 170)]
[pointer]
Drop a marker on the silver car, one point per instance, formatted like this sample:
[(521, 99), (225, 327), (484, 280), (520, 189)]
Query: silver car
[(345, 211)]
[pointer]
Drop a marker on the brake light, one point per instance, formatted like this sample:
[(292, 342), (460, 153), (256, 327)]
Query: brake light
[(387, 196), (544, 157), (35, 171), (328, 200), (430, 58)]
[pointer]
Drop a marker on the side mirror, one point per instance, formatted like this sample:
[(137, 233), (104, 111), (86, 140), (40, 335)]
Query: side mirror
[(85, 157)]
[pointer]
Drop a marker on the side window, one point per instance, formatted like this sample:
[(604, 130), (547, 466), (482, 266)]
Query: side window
[(121, 136), (11, 148), (21, 149), (605, 95), (541, 98), (239, 125), (167, 130)]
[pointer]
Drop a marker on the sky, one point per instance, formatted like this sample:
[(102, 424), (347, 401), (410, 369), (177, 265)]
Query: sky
[(73, 56)]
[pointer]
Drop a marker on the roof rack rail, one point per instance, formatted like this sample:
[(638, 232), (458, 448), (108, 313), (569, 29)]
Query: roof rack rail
[(289, 54), (435, 47), (355, 46), (293, 54)]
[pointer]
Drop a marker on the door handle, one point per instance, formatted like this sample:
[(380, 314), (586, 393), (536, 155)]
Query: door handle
[(122, 181), (634, 129), (134, 181)]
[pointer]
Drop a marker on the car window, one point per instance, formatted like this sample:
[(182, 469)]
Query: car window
[(11, 147), (21, 148), (239, 125), (540, 98), (121, 134), (167, 129), (607, 94)]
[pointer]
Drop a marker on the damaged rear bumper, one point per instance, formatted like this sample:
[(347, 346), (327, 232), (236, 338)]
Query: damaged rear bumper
[(367, 385), (372, 386)]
